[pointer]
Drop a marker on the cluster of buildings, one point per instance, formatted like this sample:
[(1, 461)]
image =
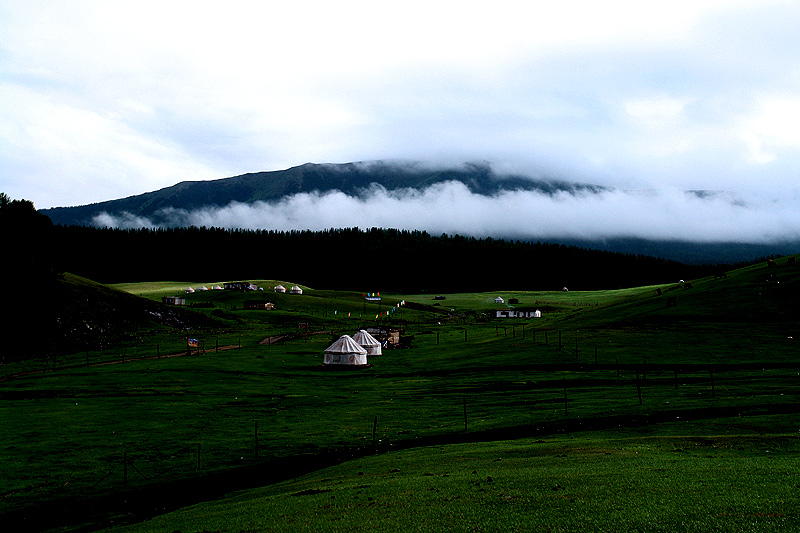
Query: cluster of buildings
[(230, 286), (352, 351)]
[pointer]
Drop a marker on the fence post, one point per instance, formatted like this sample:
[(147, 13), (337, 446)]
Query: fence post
[(638, 388), (713, 392), (465, 414)]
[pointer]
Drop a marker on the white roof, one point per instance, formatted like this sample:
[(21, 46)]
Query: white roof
[(345, 344), (279, 287), (365, 339)]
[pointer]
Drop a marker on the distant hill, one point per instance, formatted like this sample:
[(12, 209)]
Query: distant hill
[(355, 179), (350, 178)]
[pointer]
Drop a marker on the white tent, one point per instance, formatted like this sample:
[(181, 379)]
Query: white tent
[(499, 300), (368, 342), (279, 288), (345, 351), (217, 288), (189, 290), (296, 290), (203, 288)]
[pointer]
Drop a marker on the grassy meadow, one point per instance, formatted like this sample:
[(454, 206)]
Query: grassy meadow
[(664, 408)]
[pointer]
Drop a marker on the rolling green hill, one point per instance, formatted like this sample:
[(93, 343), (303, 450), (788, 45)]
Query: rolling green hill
[(572, 422)]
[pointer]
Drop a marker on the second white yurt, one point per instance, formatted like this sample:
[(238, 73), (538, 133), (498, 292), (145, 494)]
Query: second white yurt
[(345, 351), (279, 288), (296, 290), (368, 342)]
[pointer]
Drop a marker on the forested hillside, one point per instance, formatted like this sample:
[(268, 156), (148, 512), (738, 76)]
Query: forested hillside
[(352, 258)]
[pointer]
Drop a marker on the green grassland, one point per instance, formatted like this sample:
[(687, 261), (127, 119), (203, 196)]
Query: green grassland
[(602, 379)]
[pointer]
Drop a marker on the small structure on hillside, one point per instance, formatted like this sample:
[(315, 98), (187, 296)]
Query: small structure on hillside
[(296, 290), (188, 290), (345, 352), (368, 342), (173, 300), (388, 337), (203, 288), (259, 305), (240, 286), (499, 300), (217, 288), (518, 313), (279, 288)]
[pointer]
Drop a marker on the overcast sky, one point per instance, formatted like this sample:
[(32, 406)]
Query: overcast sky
[(102, 100)]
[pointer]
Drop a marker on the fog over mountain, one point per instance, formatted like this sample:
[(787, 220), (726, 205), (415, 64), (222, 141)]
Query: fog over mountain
[(469, 200)]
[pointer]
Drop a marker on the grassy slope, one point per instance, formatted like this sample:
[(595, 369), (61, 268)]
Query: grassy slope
[(68, 430), (605, 481)]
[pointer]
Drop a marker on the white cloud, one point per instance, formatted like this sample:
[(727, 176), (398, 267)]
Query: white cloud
[(112, 100), (451, 208)]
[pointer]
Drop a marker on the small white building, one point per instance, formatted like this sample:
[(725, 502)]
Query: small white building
[(513, 313), (499, 300), (368, 342), (279, 288), (296, 290), (345, 351), (189, 290)]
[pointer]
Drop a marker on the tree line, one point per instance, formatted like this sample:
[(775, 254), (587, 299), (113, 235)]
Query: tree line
[(352, 258)]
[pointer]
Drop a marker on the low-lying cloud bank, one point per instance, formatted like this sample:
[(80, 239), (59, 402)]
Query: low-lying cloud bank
[(451, 208)]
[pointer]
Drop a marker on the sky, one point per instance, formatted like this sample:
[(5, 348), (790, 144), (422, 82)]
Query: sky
[(103, 100)]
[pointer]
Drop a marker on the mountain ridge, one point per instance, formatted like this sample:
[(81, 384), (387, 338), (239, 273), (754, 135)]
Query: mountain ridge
[(349, 178)]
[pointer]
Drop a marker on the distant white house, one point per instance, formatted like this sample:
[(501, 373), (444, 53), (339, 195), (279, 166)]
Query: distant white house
[(368, 342), (499, 300), (345, 351), (279, 288), (296, 290), (173, 300), (514, 313), (189, 290)]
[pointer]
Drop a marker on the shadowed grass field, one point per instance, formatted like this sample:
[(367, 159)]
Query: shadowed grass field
[(137, 416)]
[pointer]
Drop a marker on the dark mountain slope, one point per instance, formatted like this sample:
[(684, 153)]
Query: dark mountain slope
[(350, 178)]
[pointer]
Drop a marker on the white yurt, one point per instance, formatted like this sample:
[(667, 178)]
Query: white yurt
[(279, 288), (368, 342), (296, 290), (345, 351), (499, 300), (189, 290)]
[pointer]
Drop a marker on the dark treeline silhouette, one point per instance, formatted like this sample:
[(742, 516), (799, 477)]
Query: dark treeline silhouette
[(354, 259)]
